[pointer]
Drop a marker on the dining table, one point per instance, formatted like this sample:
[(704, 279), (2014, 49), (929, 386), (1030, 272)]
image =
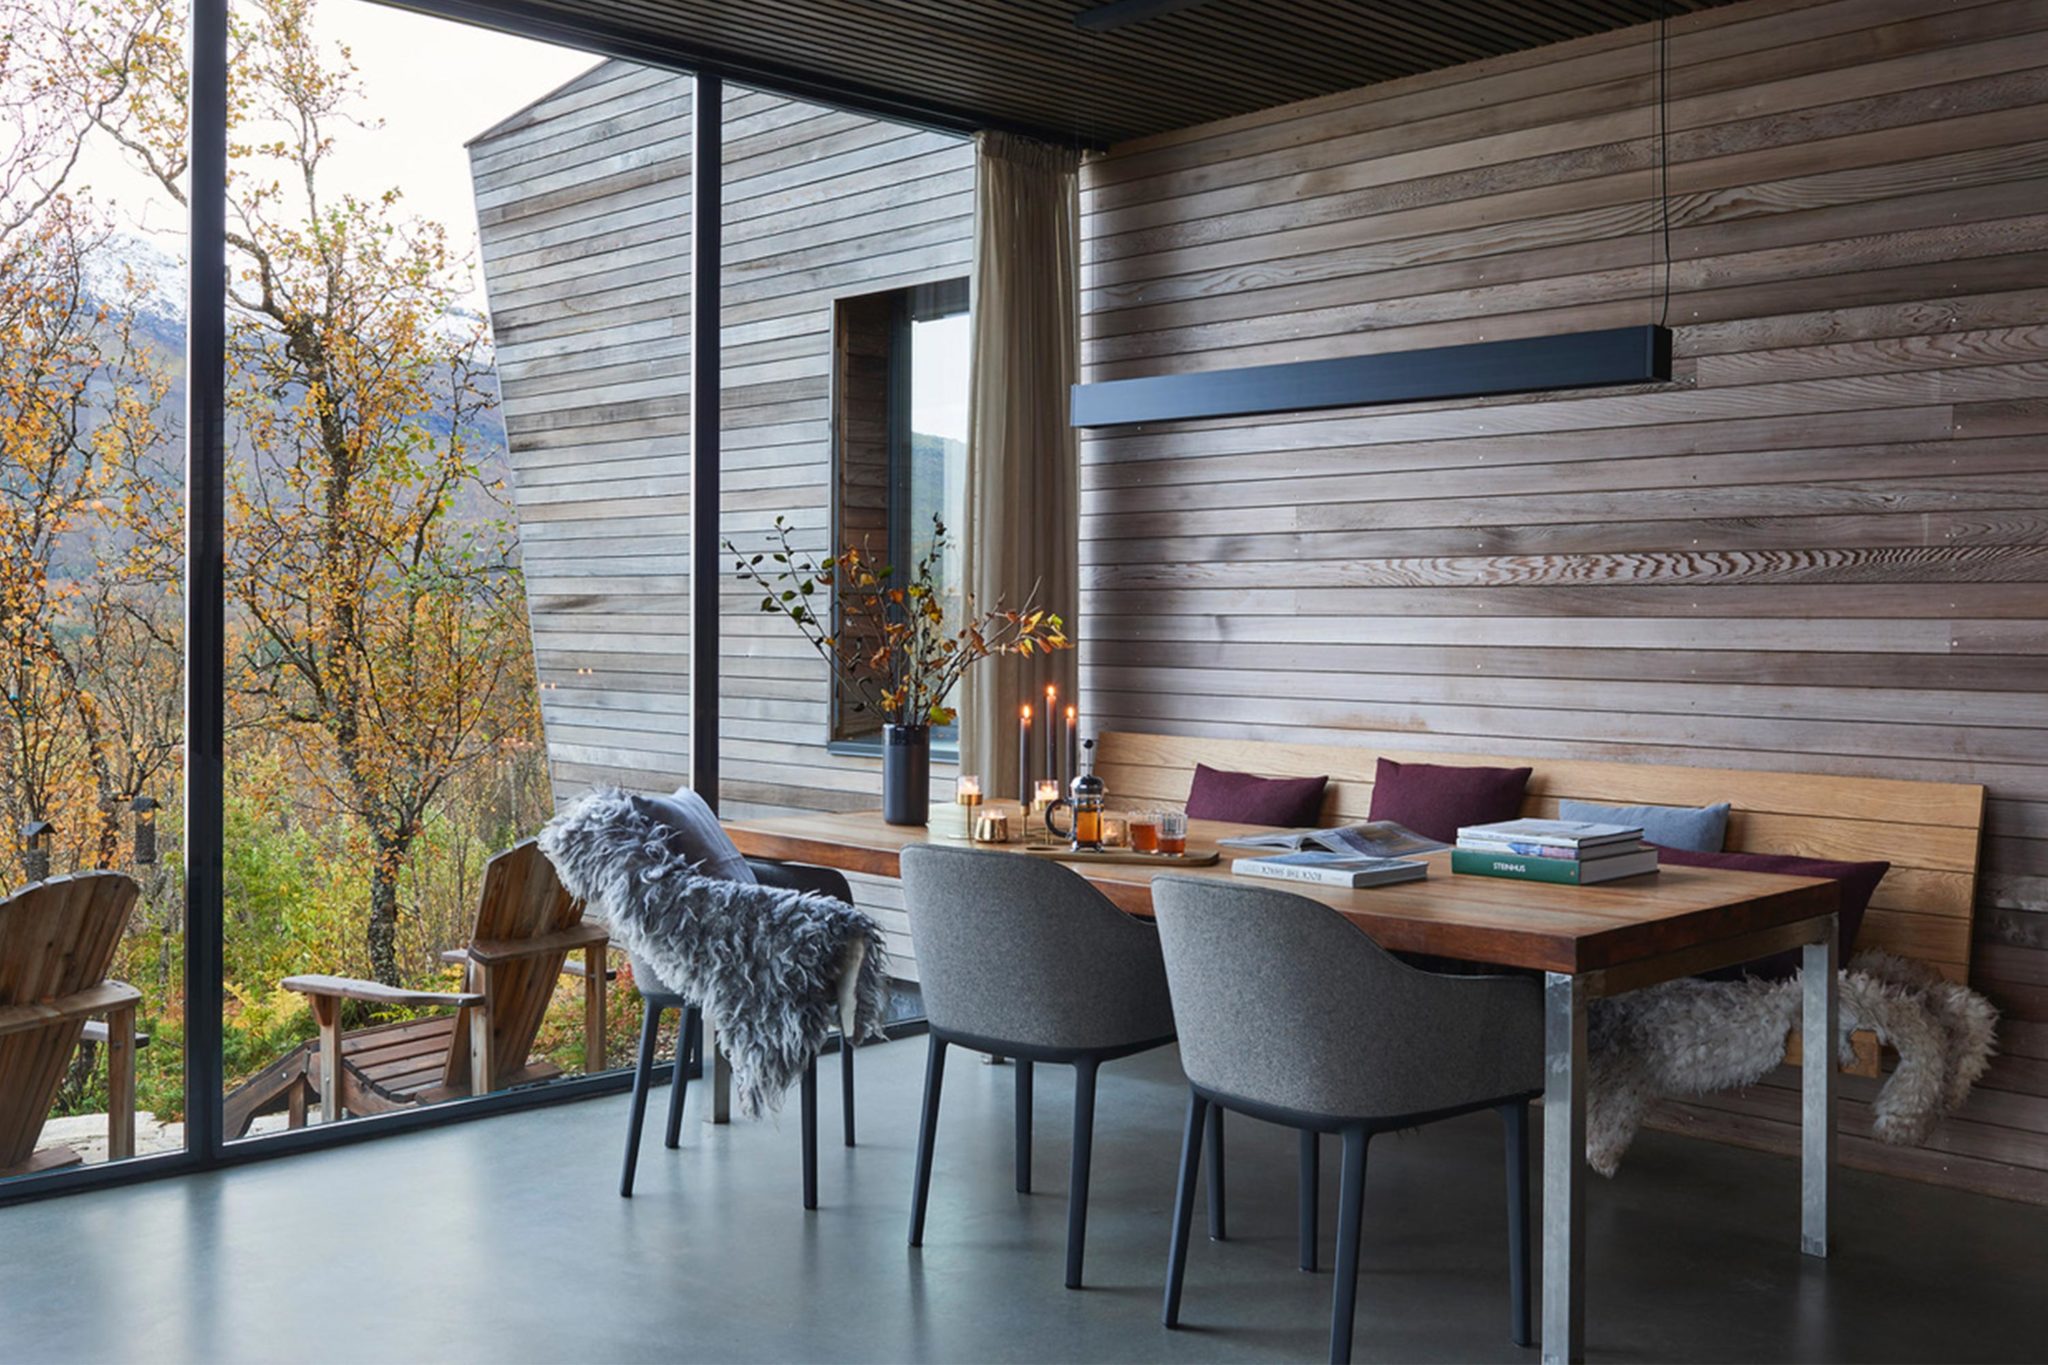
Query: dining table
[(1588, 942)]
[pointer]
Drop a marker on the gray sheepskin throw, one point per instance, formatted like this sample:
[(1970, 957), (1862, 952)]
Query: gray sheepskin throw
[(1688, 1038), (763, 962)]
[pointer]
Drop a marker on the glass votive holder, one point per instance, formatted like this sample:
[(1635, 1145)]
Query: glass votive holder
[(967, 791), (1173, 833), (1115, 831)]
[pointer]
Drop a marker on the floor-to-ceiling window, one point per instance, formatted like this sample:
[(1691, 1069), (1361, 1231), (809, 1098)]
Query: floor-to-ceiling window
[(91, 566)]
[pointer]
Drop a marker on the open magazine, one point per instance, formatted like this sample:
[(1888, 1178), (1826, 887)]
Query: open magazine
[(1372, 839)]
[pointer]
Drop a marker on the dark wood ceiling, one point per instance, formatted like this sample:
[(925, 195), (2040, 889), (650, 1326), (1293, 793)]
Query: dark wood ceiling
[(1026, 64)]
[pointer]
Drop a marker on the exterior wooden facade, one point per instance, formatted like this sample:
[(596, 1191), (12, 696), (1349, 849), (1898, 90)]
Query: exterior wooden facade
[(1822, 549), (583, 204)]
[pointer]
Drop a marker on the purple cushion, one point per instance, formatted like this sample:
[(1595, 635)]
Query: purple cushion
[(1433, 799), (1247, 799), (1858, 882)]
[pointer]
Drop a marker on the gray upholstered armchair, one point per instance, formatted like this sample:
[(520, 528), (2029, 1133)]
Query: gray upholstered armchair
[(1288, 1012), (1026, 960)]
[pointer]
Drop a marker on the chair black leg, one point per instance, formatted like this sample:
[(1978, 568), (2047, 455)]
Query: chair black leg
[(921, 1185), (1517, 1117), (1216, 1173), (1350, 1224), (679, 1083), (1184, 1206), (1084, 1145), (1023, 1126), (846, 1086), (643, 1076), (1311, 1194), (810, 1122)]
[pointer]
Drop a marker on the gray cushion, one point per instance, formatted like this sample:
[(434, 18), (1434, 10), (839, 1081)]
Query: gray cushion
[(698, 836), (1699, 829)]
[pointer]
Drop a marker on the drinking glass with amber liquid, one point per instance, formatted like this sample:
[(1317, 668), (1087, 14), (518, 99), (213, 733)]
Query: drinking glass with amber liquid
[(1145, 832), (1173, 833)]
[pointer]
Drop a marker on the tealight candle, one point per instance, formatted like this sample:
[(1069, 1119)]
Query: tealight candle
[(1046, 793), (968, 790)]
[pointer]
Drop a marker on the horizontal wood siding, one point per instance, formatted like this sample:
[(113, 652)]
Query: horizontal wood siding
[(583, 200), (1823, 549)]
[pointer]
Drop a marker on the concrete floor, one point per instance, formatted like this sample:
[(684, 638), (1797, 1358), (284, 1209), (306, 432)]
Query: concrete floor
[(505, 1241)]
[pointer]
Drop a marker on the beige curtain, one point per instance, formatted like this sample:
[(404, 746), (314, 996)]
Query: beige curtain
[(1023, 477)]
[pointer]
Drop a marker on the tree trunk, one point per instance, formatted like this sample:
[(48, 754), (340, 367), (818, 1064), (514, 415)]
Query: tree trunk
[(383, 929)]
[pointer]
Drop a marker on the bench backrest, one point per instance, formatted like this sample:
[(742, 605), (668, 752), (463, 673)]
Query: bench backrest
[(1928, 831)]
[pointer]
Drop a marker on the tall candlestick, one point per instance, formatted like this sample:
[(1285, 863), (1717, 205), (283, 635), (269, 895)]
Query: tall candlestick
[(1052, 752), (1024, 754), (1073, 746)]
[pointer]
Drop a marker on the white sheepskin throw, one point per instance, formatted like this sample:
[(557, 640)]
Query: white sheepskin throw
[(764, 963), (1691, 1037)]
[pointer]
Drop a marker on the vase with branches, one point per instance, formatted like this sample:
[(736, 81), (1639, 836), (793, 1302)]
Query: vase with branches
[(897, 644)]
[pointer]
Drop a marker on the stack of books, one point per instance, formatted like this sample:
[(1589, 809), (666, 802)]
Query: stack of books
[(1574, 852)]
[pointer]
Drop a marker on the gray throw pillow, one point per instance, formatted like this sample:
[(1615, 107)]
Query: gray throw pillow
[(697, 835), (1700, 829)]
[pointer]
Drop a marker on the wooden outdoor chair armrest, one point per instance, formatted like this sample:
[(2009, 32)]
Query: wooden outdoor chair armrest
[(350, 988), (107, 995), (487, 950), (570, 966), (96, 1032)]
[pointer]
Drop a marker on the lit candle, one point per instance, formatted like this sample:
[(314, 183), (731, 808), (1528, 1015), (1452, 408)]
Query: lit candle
[(1073, 748), (1048, 792), (1052, 752), (968, 790), (1024, 753)]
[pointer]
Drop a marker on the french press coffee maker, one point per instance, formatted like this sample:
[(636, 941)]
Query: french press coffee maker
[(1084, 804)]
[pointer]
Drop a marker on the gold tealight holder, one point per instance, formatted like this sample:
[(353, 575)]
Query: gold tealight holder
[(991, 827)]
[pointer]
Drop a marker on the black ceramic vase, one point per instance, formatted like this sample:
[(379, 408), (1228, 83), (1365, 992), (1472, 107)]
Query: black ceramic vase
[(906, 774)]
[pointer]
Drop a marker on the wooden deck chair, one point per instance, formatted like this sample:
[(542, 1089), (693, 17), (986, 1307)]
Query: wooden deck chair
[(57, 941), (526, 927)]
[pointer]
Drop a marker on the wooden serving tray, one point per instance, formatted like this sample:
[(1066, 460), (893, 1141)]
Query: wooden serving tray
[(1061, 854)]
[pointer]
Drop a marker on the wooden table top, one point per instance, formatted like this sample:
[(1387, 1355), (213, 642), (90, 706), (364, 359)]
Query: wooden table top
[(1675, 911)]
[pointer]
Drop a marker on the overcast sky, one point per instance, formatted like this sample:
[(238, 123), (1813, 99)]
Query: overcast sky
[(434, 84)]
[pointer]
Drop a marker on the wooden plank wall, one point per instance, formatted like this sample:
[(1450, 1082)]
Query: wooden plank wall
[(583, 202), (1824, 548)]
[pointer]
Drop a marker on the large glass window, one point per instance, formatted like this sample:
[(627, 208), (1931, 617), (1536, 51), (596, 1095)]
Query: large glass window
[(91, 630), (901, 437)]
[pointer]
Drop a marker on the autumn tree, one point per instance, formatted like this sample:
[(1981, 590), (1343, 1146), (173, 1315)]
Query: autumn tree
[(378, 609), (84, 516)]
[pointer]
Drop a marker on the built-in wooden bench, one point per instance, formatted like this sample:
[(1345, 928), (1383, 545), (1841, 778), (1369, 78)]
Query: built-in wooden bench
[(1928, 831)]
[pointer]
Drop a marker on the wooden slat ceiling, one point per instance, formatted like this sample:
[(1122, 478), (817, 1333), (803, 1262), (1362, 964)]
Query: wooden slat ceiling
[(1025, 64)]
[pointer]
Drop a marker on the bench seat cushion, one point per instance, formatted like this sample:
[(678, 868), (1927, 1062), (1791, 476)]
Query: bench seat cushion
[(1858, 881), (1434, 799)]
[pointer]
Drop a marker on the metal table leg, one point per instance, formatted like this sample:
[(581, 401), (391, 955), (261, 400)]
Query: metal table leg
[(1818, 1025), (1564, 1159)]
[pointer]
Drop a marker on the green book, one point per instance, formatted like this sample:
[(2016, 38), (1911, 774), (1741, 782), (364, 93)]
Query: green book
[(1569, 871)]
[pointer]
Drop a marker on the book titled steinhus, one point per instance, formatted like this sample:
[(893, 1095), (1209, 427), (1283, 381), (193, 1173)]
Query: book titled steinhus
[(1571, 852)]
